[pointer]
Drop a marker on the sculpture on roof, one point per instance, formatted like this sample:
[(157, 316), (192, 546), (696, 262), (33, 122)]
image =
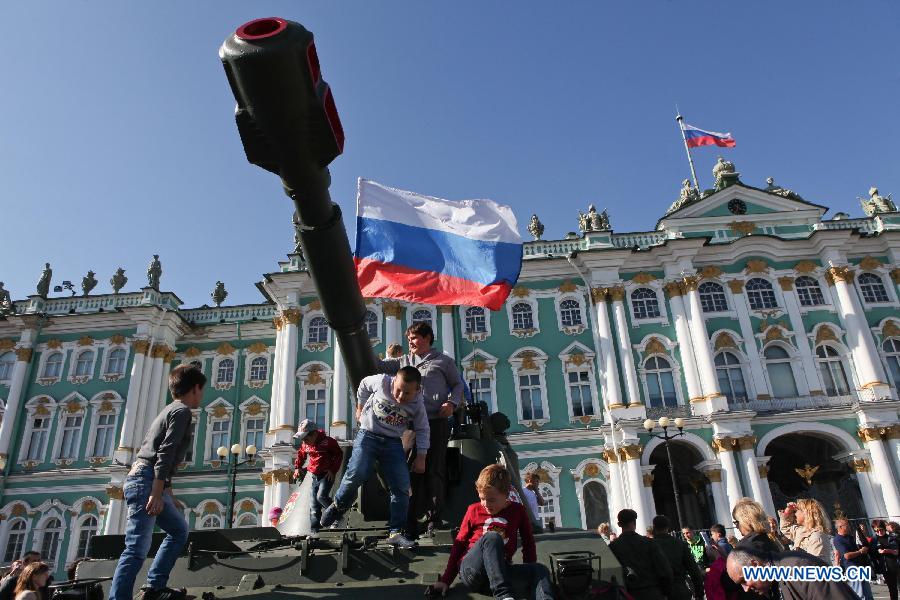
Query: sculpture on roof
[(154, 273), (118, 280), (721, 170), (877, 203), (535, 227), (780, 191), (88, 283), (43, 286), (6, 305), (687, 195), (593, 221), (219, 294)]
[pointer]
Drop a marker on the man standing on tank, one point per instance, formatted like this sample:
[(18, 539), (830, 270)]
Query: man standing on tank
[(443, 389)]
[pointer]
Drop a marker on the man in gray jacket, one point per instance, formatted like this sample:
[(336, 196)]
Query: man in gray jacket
[(443, 390)]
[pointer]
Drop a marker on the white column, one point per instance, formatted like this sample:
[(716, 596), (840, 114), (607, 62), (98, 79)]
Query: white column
[(647, 480), (277, 377), (267, 501), (706, 368), (720, 498), (751, 468), (14, 399), (284, 418), (448, 342), (132, 403), (792, 304), (280, 487), (893, 442), (634, 477), (115, 512), (150, 393), (614, 485), (391, 312), (866, 360), (762, 468), (631, 382), (739, 301), (609, 380), (871, 500), (726, 447), (340, 422), (882, 470), (685, 344)]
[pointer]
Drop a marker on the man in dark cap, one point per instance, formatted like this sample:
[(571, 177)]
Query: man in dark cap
[(648, 575)]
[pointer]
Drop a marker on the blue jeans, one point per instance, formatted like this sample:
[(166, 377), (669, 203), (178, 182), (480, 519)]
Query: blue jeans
[(139, 535), (485, 566), (369, 447), (320, 498), (862, 589)]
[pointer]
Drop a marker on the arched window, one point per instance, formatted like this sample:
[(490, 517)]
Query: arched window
[(832, 371), (53, 366), (809, 292), (475, 320), (83, 363), (103, 438), (7, 362), (50, 540), (760, 294), (644, 303), (317, 331), (423, 315), (259, 369), (247, 520), (580, 393), (87, 531), (730, 375), (570, 313), (37, 440), (872, 288), (211, 522), (522, 316), (115, 364), (547, 512), (891, 349), (71, 436), (530, 393), (712, 297), (15, 541), (660, 382), (781, 375), (371, 324), (225, 373)]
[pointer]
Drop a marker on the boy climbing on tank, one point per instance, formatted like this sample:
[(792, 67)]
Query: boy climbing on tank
[(488, 536), (325, 457), (385, 406)]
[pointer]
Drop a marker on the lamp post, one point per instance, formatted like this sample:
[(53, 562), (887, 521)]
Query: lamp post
[(664, 422), (233, 465)]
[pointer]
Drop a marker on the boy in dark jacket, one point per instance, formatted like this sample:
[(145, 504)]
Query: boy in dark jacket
[(648, 575), (325, 457)]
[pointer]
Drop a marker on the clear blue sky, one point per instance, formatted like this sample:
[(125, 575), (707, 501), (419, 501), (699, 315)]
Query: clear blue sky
[(118, 139)]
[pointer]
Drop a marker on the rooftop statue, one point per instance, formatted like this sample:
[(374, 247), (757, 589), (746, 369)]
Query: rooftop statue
[(535, 227), (154, 272), (88, 283), (780, 191), (6, 305), (118, 280), (219, 294), (687, 195), (877, 203), (43, 286), (721, 170), (593, 221)]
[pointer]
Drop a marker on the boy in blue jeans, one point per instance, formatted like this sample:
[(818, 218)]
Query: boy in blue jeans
[(148, 493), (385, 406)]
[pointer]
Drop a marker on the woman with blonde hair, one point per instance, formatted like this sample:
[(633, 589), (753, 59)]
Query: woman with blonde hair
[(808, 527), (33, 578), (751, 520)]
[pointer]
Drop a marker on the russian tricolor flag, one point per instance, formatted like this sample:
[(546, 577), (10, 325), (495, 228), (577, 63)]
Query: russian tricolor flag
[(695, 137), (422, 249)]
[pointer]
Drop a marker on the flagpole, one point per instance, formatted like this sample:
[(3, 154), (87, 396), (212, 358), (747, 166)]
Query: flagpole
[(680, 120)]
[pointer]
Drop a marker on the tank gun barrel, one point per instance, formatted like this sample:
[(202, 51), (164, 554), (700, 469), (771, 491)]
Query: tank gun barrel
[(289, 125)]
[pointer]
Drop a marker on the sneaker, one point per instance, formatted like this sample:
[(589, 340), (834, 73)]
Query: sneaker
[(399, 540), (164, 594), (331, 515)]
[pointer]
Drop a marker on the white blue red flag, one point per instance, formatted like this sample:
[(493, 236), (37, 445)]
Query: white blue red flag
[(422, 249), (695, 137)]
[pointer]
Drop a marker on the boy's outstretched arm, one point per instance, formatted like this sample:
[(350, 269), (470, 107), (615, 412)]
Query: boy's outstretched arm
[(363, 394)]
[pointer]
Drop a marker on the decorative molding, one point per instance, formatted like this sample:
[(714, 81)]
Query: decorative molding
[(895, 276), (673, 289), (648, 479), (773, 333), (85, 340), (391, 309), (258, 348), (591, 470), (786, 283), (736, 286), (654, 346), (115, 492), (724, 340), (825, 334), (714, 475), (599, 294), (617, 293), (520, 291), (756, 266), (567, 286), (54, 344), (631, 452), (192, 352), (290, 316), (690, 283), (747, 442), (742, 227), (7, 344), (141, 346), (276, 321), (159, 351), (763, 471), (314, 305), (861, 465), (117, 340), (643, 278), (843, 274), (710, 272), (725, 444), (870, 263), (610, 456), (805, 267), (225, 349), (890, 329), (24, 354), (314, 376)]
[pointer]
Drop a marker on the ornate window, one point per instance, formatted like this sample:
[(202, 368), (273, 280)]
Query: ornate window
[(580, 393), (712, 297), (53, 365), (481, 390), (730, 376), (259, 369), (15, 541), (570, 313), (36, 447), (106, 430), (475, 320), (891, 349), (211, 522), (523, 318), (872, 288), (87, 530), (809, 292), (760, 294), (115, 364), (781, 374), (218, 427), (660, 382), (247, 520), (528, 368), (314, 404), (225, 372), (50, 539), (254, 432), (317, 331), (371, 324), (831, 368), (83, 363), (7, 362), (71, 436), (253, 423), (644, 304), (479, 370), (530, 397), (219, 435), (423, 315)]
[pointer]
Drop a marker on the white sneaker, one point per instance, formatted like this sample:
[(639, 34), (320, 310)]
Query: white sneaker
[(399, 540)]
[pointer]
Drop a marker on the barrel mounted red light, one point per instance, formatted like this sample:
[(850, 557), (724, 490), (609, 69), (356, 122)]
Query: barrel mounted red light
[(259, 29)]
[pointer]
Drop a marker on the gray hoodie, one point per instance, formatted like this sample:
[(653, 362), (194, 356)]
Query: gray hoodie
[(440, 377), (383, 415)]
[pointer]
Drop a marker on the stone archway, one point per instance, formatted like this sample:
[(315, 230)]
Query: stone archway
[(697, 505), (802, 465)]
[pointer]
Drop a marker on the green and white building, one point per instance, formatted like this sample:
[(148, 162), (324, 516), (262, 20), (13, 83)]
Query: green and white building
[(774, 333)]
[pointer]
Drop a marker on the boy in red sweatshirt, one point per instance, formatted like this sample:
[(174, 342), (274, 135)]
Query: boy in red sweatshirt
[(487, 539), (325, 457)]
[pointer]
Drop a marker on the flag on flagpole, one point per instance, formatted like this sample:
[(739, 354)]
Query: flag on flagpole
[(423, 249), (695, 137)]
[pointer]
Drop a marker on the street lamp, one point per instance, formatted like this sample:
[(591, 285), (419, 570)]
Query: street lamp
[(664, 422), (233, 465)]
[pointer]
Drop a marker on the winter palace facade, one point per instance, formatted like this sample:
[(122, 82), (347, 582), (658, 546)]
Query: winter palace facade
[(773, 332)]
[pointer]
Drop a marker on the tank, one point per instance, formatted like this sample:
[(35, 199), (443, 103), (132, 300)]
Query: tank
[(289, 125)]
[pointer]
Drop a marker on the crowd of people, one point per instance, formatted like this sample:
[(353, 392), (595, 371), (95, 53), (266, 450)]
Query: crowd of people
[(665, 565), (29, 578)]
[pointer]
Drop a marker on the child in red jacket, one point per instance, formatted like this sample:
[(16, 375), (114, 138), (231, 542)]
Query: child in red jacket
[(487, 539), (325, 457)]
